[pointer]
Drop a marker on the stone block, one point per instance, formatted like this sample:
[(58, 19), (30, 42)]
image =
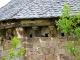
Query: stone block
[(6, 44), (21, 59), (38, 57), (45, 50), (19, 46), (66, 57), (41, 57), (60, 51), (36, 40), (44, 44), (1, 47), (30, 40), (29, 57), (0, 58), (35, 50), (35, 57), (55, 44), (16, 58), (29, 45), (16, 50), (50, 57), (29, 51), (51, 44), (6, 47), (61, 45), (40, 51), (3, 53), (52, 50), (36, 44)]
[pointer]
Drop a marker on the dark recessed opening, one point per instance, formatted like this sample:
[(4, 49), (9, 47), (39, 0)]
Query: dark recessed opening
[(62, 34), (30, 35), (52, 35), (9, 38), (46, 35)]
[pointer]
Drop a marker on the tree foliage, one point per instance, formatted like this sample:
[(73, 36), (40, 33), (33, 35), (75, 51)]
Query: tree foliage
[(69, 24)]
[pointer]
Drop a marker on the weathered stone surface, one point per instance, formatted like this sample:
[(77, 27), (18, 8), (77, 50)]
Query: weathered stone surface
[(19, 46), (38, 57), (45, 50), (52, 50), (50, 57), (3, 53), (15, 58), (40, 48), (61, 45), (29, 51), (7, 44), (36, 45), (41, 57), (51, 44), (29, 45), (64, 57), (21, 59), (44, 44), (29, 57), (35, 51), (60, 51), (1, 47), (36, 40), (30, 40), (40, 51)]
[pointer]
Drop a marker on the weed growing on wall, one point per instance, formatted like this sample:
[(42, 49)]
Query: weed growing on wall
[(0, 40), (69, 24), (3, 58), (11, 52), (15, 42)]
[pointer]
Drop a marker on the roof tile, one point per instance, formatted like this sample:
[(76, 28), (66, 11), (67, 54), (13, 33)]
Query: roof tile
[(36, 8)]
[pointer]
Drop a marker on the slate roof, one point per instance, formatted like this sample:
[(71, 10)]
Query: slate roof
[(24, 9)]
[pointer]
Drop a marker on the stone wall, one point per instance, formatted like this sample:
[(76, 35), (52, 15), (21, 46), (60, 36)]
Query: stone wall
[(39, 37), (40, 48)]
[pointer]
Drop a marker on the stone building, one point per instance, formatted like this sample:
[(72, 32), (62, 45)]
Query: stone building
[(33, 22)]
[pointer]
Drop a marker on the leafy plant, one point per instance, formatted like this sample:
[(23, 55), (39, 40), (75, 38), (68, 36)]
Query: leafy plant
[(3, 58), (20, 52), (11, 52), (70, 25), (70, 48), (15, 42), (0, 40)]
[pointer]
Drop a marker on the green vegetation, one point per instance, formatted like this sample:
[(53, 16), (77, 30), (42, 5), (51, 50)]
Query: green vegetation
[(0, 40), (20, 52), (3, 58), (11, 52), (15, 42), (70, 25), (70, 48)]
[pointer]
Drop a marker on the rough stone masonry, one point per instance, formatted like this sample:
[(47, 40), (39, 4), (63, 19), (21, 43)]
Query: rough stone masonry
[(40, 38)]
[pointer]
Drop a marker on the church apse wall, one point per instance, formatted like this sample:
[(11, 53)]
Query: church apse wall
[(39, 36)]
